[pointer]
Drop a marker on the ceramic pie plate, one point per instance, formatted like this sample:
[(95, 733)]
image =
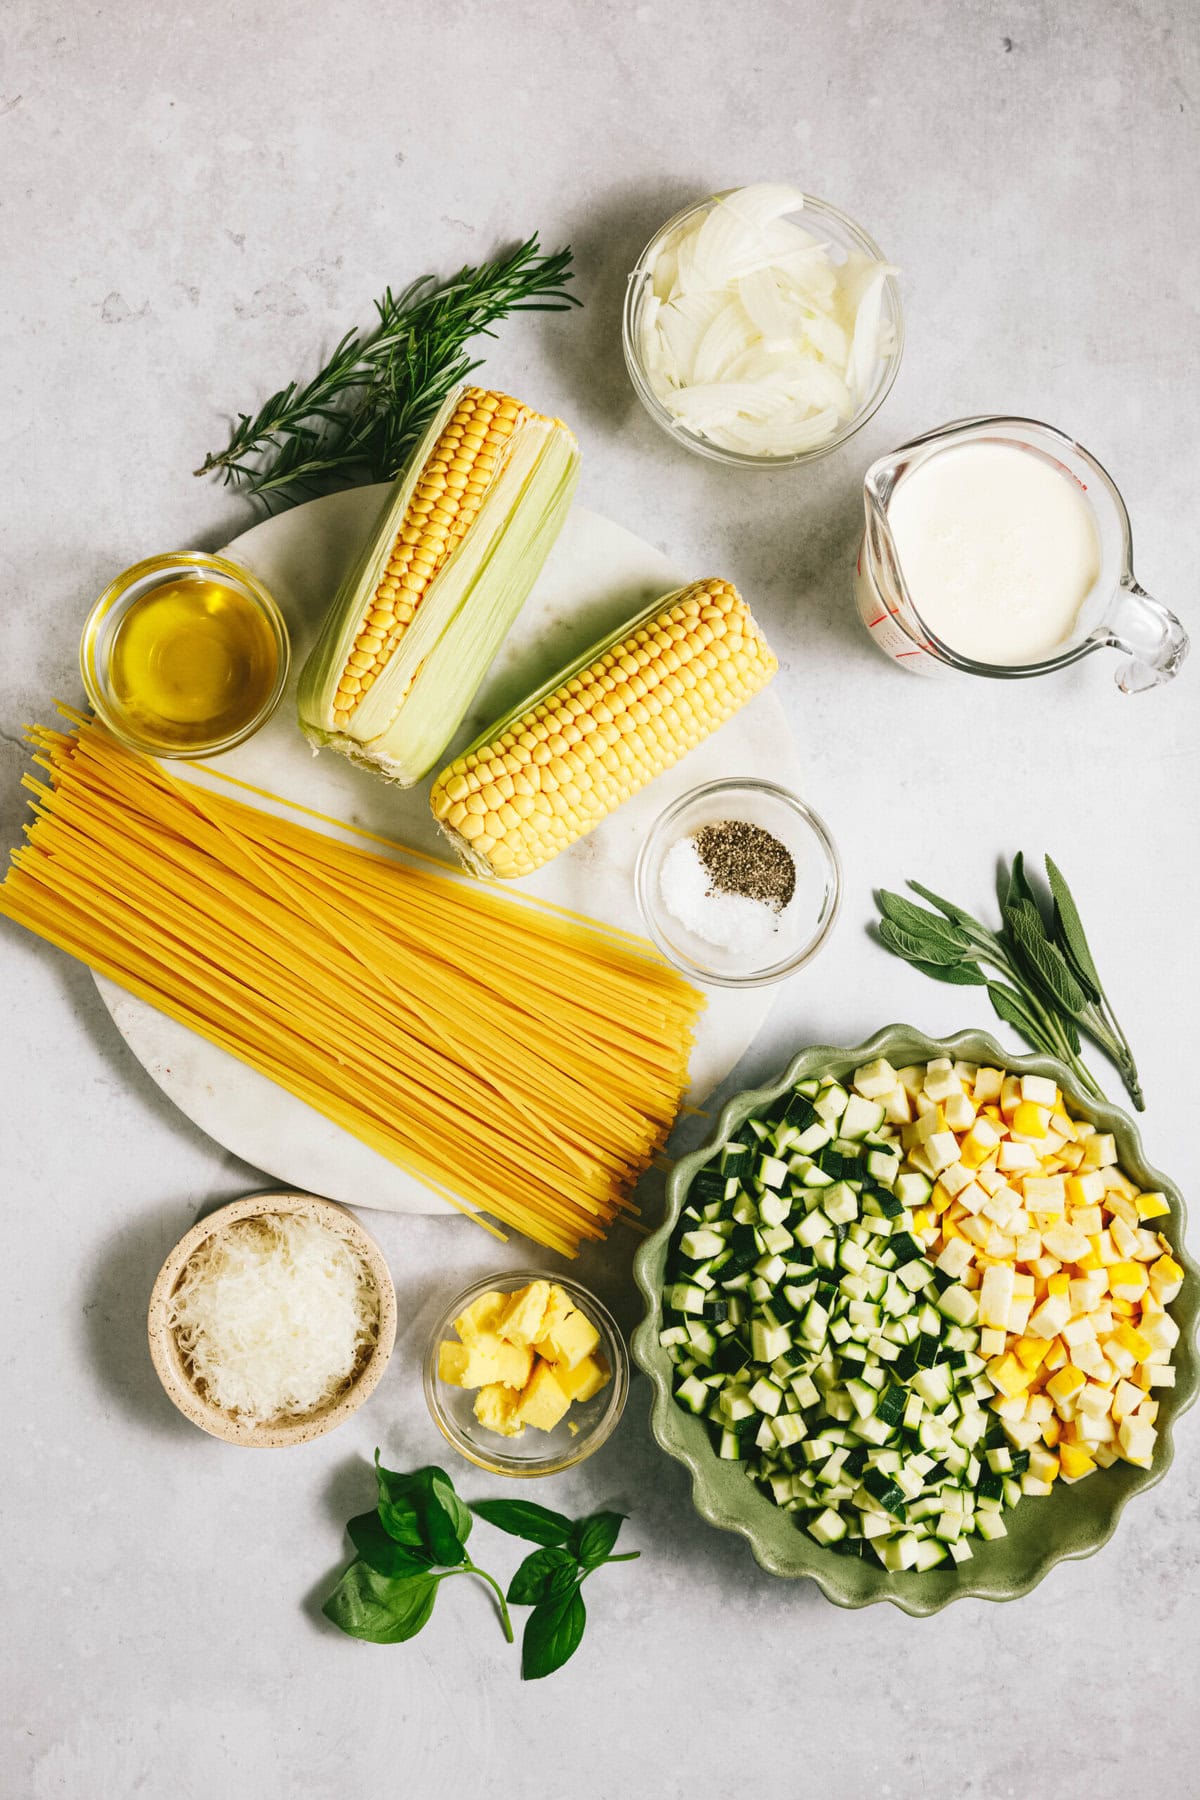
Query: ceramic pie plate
[(1073, 1521)]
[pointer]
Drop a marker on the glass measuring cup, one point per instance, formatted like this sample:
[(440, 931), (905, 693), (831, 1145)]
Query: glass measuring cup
[(1117, 614)]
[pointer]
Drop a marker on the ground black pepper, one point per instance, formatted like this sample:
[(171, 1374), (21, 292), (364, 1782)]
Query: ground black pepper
[(740, 858)]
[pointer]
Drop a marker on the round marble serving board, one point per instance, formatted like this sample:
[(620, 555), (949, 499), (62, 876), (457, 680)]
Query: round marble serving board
[(597, 575)]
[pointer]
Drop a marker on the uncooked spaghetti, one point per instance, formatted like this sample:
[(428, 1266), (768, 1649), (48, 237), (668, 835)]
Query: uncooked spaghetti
[(520, 1061)]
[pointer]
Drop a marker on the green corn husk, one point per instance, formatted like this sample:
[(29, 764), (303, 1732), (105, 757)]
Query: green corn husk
[(418, 700)]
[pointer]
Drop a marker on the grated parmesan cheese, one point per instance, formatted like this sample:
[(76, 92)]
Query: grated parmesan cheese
[(274, 1316)]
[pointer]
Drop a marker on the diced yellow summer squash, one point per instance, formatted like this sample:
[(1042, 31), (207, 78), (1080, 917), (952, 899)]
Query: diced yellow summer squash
[(1075, 1462), (1066, 1383), (1152, 1206), (1100, 1150), (1030, 1120), (1127, 1280), (1008, 1375)]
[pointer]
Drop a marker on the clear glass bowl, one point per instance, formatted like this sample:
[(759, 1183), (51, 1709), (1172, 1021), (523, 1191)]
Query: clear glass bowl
[(804, 924), (537, 1452), (111, 609), (842, 235)]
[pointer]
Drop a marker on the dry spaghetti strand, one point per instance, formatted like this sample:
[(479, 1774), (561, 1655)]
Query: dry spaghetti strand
[(515, 1058)]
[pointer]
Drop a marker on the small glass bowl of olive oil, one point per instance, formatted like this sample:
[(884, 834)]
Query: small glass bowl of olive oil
[(184, 655)]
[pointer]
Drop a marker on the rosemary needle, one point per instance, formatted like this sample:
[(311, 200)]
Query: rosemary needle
[(358, 418)]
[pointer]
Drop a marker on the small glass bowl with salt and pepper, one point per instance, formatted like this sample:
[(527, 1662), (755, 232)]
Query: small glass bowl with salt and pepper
[(738, 883)]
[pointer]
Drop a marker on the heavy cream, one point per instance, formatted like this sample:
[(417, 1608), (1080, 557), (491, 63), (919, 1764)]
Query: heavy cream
[(999, 551)]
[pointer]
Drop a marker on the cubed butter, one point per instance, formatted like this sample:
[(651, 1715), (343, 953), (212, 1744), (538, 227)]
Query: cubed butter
[(495, 1408), (522, 1320), (480, 1316), (489, 1359), (543, 1402), (585, 1380), (567, 1336)]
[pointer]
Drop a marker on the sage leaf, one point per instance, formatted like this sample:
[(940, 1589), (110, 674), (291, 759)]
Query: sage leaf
[(920, 923), (1046, 959), (552, 1633), (957, 974), (592, 1539), (918, 949), (544, 1573), (959, 916), (381, 1551), (1070, 930), (367, 1605), (1012, 1009), (1018, 891), (525, 1519)]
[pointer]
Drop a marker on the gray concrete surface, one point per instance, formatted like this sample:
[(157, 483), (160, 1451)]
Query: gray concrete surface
[(192, 202)]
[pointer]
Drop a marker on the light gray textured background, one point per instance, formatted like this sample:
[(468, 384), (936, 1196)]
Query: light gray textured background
[(192, 202)]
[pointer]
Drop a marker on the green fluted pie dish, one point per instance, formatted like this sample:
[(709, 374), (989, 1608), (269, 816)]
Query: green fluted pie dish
[(1071, 1522)]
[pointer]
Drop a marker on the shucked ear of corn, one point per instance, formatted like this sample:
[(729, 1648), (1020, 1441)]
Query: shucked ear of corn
[(453, 555), (629, 708)]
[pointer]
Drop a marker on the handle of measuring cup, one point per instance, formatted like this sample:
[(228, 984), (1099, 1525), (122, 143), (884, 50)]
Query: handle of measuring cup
[(1151, 637)]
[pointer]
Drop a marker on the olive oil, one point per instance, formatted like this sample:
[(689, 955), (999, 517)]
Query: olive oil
[(192, 663)]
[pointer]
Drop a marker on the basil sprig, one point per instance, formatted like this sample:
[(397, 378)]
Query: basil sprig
[(550, 1578), (416, 1538), (1038, 969)]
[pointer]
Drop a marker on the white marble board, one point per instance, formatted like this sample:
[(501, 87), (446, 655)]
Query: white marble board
[(597, 575)]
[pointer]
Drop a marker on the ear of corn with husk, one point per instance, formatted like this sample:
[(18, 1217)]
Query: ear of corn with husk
[(459, 543), (596, 733)]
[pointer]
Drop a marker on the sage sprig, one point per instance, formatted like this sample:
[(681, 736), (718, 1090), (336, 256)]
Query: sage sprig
[(416, 1538), (1038, 969)]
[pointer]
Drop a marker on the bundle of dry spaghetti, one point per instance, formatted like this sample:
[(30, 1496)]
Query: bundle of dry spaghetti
[(516, 1059)]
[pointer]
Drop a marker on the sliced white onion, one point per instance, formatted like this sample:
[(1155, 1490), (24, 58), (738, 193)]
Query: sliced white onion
[(753, 336)]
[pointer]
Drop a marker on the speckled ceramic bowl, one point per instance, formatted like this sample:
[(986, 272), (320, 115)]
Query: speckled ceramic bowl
[(1073, 1521), (169, 1362)]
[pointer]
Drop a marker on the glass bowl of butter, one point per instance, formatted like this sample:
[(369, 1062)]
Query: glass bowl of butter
[(526, 1373)]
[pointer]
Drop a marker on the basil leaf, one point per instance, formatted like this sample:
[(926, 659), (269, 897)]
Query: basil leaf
[(592, 1539), (524, 1519), (448, 1521), (944, 906), (918, 949), (552, 1633), (369, 1606), (380, 1550), (1046, 960), (1070, 929), (423, 1509), (544, 1573), (920, 923)]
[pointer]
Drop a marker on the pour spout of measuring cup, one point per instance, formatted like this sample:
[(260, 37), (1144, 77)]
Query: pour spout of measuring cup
[(1150, 636)]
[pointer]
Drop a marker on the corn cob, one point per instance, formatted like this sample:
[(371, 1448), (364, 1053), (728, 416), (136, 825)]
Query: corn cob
[(628, 709), (456, 549)]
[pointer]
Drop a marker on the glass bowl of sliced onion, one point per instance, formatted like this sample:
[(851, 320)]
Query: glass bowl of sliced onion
[(762, 327)]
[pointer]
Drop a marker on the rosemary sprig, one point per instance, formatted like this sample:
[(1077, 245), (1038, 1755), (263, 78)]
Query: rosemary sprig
[(1039, 972), (358, 418)]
